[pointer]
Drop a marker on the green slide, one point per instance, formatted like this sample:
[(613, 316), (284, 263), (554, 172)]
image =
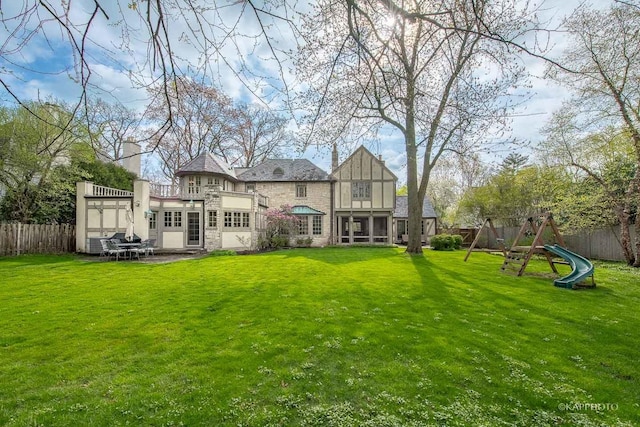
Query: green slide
[(580, 266)]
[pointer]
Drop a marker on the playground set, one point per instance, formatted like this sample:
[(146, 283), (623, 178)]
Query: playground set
[(518, 256)]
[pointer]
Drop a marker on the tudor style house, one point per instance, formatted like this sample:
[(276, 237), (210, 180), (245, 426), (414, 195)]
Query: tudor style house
[(215, 206)]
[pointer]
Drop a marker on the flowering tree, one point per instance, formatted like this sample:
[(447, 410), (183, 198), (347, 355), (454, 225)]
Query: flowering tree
[(281, 224)]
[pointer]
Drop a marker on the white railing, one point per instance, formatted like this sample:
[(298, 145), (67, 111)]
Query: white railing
[(99, 190), (165, 190)]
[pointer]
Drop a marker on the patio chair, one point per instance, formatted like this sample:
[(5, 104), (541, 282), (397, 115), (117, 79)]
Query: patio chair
[(149, 246), (152, 246), (142, 249), (146, 247), (115, 250), (105, 248)]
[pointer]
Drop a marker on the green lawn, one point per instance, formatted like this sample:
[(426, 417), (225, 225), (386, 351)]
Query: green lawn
[(330, 337)]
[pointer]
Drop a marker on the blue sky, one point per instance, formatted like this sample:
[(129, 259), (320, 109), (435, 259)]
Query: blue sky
[(43, 67)]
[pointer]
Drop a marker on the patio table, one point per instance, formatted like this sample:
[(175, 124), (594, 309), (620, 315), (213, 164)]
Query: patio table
[(128, 246)]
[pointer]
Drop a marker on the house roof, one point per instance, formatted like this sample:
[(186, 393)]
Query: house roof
[(367, 153), (305, 210), (402, 208), (284, 170), (207, 163)]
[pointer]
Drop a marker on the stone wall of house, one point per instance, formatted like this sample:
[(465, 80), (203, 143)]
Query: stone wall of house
[(318, 197), (212, 240)]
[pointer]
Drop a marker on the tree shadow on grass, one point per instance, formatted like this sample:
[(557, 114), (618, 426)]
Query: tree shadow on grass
[(35, 260), (339, 255)]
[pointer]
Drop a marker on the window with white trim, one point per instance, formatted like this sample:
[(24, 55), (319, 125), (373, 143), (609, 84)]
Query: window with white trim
[(172, 219), (303, 225), (316, 225), (237, 219), (153, 221), (212, 219)]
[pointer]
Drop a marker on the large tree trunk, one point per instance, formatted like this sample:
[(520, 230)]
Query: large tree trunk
[(636, 196), (625, 236), (637, 241), (414, 245)]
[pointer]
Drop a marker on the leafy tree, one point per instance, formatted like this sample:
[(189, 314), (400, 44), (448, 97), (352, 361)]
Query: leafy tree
[(149, 44), (42, 161), (31, 150), (514, 162), (402, 190), (281, 225), (413, 68), (601, 67), (452, 177), (104, 173), (605, 174), (511, 197)]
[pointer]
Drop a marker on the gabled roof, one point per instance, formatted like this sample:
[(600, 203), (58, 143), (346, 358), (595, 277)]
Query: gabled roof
[(368, 153), (402, 208), (305, 210), (284, 170), (206, 163)]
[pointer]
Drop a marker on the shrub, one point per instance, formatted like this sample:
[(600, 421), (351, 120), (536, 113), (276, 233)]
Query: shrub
[(446, 242), (304, 242), (279, 241), (281, 223), (457, 241)]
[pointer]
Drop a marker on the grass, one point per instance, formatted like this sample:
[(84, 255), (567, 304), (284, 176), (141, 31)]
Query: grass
[(330, 337)]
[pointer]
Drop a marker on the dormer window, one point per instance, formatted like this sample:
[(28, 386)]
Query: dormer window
[(278, 172)]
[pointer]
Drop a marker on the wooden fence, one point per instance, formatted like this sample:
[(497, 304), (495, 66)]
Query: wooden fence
[(17, 239), (602, 244)]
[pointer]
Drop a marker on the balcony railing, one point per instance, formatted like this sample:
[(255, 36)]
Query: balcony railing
[(169, 191), (165, 191), (99, 190)]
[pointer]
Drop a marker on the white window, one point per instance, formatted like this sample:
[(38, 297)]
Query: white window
[(213, 219), (173, 219), (236, 219), (303, 225), (317, 225), (153, 221)]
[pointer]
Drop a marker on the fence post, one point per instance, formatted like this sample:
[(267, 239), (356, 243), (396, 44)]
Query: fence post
[(18, 239)]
